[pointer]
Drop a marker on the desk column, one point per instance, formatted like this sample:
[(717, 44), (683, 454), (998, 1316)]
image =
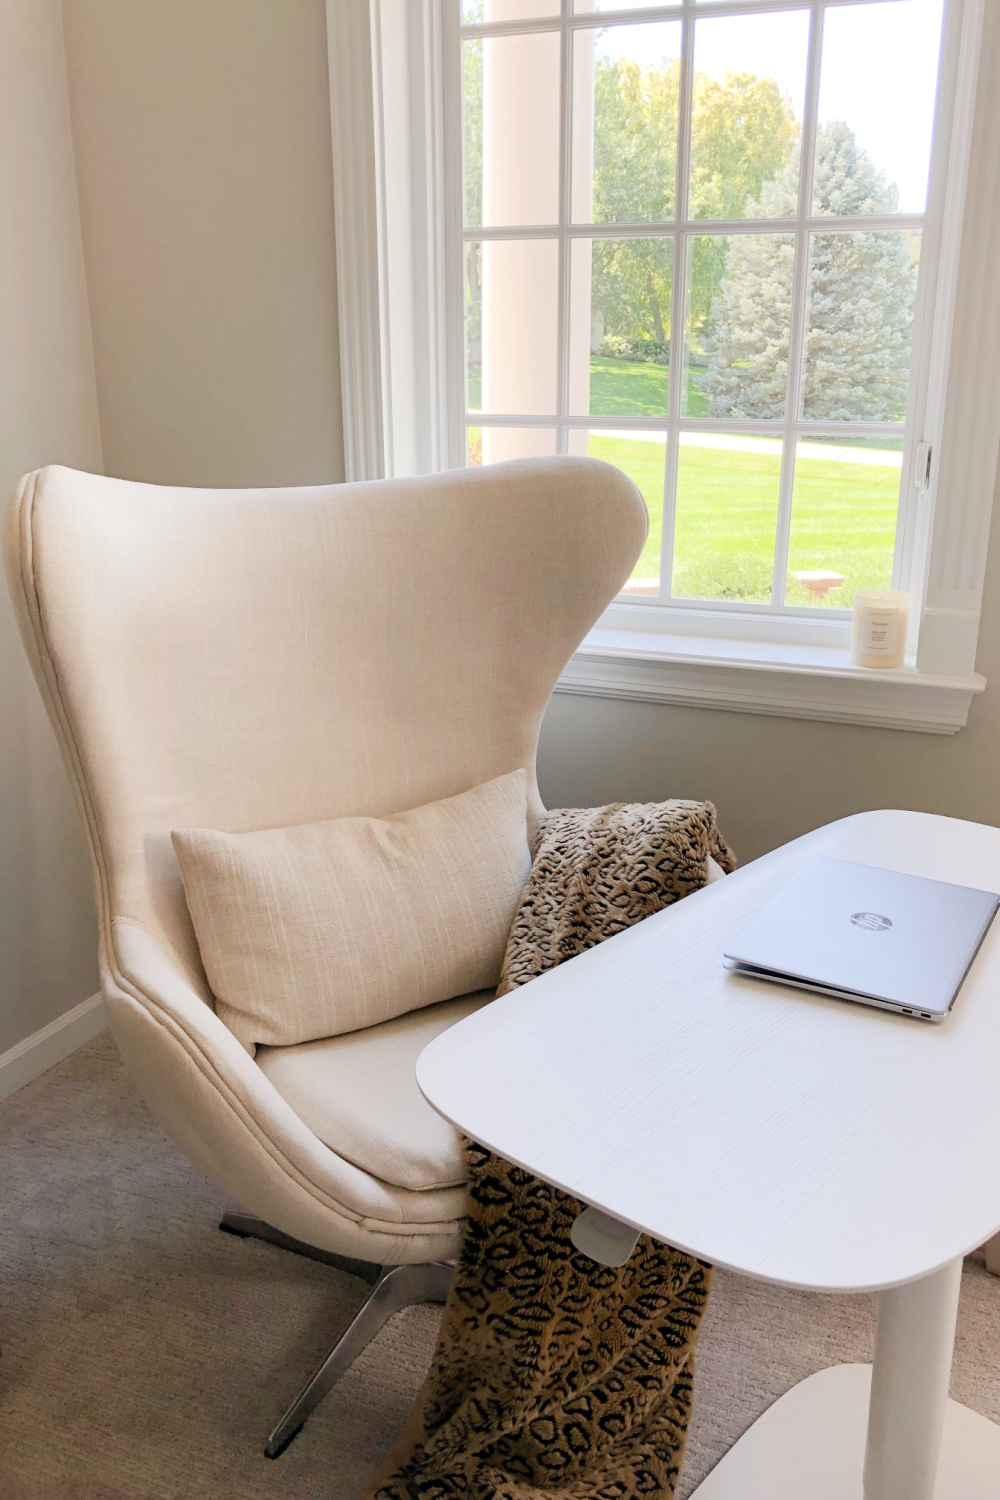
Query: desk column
[(914, 1337)]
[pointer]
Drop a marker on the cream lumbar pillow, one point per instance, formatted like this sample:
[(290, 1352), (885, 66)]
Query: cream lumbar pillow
[(329, 927)]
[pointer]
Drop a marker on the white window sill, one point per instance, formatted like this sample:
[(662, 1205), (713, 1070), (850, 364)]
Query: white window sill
[(697, 658)]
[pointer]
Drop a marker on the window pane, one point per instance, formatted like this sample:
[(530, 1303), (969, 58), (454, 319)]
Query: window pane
[(511, 111), (642, 456), (491, 445), (473, 256), (739, 299), (516, 300), (726, 516), (625, 86), (476, 11), (844, 505), (592, 5), (749, 88), (859, 332), (620, 327), (876, 107), (472, 127)]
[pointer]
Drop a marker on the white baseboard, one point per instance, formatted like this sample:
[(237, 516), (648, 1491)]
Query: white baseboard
[(55, 1041)]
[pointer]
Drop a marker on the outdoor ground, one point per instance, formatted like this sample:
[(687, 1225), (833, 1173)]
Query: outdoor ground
[(843, 509)]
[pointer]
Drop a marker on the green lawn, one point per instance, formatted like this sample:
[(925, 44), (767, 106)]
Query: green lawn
[(622, 388), (727, 506), (843, 517), (843, 514), (630, 388)]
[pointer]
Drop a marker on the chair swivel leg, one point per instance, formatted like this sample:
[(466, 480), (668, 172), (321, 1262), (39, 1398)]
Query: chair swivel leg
[(398, 1287)]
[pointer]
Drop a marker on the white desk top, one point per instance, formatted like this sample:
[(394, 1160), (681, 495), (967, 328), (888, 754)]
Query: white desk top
[(797, 1139)]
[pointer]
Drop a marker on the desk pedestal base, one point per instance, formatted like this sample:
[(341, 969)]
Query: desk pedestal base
[(810, 1445)]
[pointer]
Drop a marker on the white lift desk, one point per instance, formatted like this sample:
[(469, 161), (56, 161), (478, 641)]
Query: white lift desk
[(800, 1140)]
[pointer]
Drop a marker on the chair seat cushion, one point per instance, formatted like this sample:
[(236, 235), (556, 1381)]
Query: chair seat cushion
[(358, 1093)]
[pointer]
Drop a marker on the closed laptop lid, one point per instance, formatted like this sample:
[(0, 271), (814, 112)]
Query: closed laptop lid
[(870, 932)]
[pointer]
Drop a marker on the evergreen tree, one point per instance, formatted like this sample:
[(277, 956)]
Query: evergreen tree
[(862, 286)]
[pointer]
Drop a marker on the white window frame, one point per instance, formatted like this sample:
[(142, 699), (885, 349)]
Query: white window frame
[(396, 118)]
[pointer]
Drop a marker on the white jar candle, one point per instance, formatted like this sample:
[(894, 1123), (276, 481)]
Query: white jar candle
[(878, 636)]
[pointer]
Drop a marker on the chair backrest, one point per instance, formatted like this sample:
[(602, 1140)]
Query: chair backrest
[(243, 659)]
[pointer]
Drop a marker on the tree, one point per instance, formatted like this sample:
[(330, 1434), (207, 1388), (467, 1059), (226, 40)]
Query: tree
[(743, 130), (635, 145), (862, 286), (635, 140)]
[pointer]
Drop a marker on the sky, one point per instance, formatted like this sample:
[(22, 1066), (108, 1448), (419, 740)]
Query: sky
[(878, 71)]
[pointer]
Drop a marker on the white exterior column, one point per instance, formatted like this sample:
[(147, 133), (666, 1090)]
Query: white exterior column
[(520, 186), (521, 178)]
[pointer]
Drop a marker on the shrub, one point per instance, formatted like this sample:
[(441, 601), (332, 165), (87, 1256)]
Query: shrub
[(640, 347)]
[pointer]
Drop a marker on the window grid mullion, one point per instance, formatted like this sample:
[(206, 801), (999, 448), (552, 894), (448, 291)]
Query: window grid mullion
[(754, 426), (796, 331), (656, 229)]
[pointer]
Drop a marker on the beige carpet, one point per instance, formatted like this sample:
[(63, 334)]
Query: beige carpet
[(145, 1355)]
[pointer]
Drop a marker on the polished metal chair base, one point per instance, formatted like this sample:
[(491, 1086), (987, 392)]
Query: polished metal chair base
[(392, 1289)]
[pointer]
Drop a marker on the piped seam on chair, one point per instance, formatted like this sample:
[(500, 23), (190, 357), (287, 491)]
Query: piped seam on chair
[(24, 523), (52, 693)]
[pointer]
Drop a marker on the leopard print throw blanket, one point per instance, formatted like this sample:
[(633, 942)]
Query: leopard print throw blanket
[(556, 1378)]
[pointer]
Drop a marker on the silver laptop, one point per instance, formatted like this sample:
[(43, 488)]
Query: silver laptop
[(855, 932)]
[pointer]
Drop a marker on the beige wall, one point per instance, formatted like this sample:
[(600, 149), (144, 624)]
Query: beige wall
[(48, 414), (202, 131)]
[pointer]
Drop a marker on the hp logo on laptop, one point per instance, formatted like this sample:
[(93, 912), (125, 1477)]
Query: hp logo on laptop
[(871, 921)]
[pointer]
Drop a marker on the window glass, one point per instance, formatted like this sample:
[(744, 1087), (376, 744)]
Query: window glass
[(859, 329), (511, 324), (491, 445), (876, 107), (642, 456), (620, 334), (472, 131), (727, 511), (626, 82), (472, 253), (746, 115), (511, 124), (739, 304), (843, 533), (591, 5), (475, 12)]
